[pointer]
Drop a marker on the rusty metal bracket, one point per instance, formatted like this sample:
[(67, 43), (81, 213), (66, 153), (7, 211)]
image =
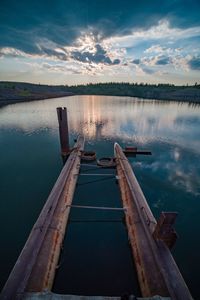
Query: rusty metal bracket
[(164, 229), (133, 151)]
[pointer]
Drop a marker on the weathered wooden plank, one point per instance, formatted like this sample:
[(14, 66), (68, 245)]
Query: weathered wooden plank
[(156, 268), (40, 254)]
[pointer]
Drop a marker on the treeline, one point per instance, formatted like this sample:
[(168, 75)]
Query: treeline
[(142, 90), (11, 92)]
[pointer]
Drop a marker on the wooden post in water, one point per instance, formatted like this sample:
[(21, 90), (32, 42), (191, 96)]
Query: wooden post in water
[(63, 130)]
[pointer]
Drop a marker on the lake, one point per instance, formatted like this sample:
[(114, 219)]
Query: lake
[(96, 257)]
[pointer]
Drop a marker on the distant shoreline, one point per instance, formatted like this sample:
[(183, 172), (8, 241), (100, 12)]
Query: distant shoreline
[(16, 92), (11, 101)]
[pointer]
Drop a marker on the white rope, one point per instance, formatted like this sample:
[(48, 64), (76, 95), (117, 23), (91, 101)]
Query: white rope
[(88, 165), (98, 207), (95, 174)]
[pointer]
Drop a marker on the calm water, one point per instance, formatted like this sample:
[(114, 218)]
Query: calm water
[(96, 258)]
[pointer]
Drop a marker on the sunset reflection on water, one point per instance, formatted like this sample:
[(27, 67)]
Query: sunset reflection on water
[(106, 117)]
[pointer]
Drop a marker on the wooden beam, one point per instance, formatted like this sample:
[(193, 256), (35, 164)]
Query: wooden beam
[(35, 268), (157, 271)]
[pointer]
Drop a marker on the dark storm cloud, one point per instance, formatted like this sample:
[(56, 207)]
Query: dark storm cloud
[(99, 56), (116, 61), (194, 63), (163, 61), (136, 61), (51, 52), (23, 22)]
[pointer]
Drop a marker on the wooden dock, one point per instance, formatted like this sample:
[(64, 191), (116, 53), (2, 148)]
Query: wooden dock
[(157, 271)]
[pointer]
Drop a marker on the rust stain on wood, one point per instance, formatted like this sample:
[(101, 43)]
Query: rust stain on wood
[(35, 268), (157, 271)]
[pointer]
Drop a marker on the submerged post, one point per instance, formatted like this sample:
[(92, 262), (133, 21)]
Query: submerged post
[(63, 130)]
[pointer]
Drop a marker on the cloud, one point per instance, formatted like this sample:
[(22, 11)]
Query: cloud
[(163, 60), (148, 70), (158, 56), (116, 61), (69, 69), (160, 45), (45, 52), (155, 49), (194, 63), (23, 23), (187, 181), (102, 42), (158, 49), (12, 52), (146, 62), (85, 50), (136, 61), (55, 54), (98, 56), (161, 31)]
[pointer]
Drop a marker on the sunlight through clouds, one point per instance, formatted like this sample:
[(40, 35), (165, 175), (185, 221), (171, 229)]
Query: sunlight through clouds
[(156, 51)]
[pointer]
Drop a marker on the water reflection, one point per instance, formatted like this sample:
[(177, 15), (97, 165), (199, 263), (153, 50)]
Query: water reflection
[(170, 177), (100, 117), (145, 123)]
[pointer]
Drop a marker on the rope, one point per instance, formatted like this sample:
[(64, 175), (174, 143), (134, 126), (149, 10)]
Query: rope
[(97, 180), (90, 165), (95, 174), (96, 221), (96, 168), (98, 207)]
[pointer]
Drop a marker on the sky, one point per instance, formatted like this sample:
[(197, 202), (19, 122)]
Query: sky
[(83, 41)]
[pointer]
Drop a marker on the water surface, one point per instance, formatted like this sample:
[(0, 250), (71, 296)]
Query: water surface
[(96, 258)]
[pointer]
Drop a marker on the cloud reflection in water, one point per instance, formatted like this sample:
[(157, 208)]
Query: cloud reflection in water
[(103, 117)]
